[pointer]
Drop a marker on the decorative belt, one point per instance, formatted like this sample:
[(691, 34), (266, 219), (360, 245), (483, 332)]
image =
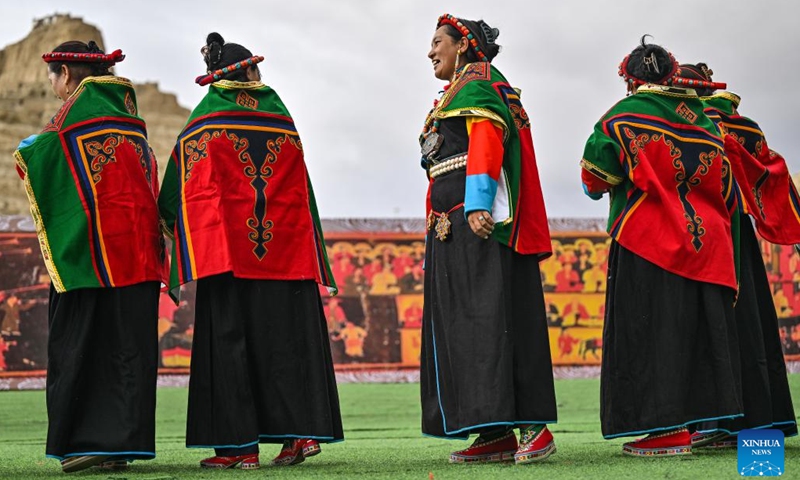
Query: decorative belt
[(442, 221), (447, 166)]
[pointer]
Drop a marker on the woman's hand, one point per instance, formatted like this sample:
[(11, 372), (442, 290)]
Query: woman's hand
[(481, 223)]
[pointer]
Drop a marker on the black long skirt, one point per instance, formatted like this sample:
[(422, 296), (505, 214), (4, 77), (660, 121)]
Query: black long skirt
[(670, 350), (101, 372), (261, 367), (765, 386), (485, 360)]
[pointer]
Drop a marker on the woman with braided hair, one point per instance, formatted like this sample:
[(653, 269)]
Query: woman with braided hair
[(770, 205), (92, 182), (238, 201), (670, 355), (486, 366)]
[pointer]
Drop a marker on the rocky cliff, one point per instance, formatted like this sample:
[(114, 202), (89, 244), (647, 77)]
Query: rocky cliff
[(27, 102)]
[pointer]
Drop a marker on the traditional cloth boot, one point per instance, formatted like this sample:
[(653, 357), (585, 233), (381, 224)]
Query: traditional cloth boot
[(729, 441), (486, 449), (291, 453), (245, 462), (674, 442), (535, 444), (704, 439), (76, 464), (311, 448)]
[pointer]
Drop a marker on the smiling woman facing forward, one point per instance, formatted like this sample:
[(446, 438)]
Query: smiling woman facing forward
[(486, 365)]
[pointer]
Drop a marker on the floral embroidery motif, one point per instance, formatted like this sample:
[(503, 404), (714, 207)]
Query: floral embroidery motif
[(102, 152), (688, 176), (759, 195), (687, 180)]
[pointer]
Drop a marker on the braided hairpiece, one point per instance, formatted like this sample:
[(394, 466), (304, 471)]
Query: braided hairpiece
[(448, 19), (203, 80)]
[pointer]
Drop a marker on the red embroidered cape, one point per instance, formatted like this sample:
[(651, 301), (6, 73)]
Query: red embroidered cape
[(237, 196), (672, 195), (765, 184)]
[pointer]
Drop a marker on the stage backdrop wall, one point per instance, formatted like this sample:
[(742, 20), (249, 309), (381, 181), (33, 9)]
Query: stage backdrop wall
[(375, 320)]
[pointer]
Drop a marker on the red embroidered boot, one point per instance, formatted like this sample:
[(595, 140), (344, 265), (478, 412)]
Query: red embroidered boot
[(703, 439), (535, 444), (245, 462), (498, 450), (311, 448), (291, 453), (668, 444)]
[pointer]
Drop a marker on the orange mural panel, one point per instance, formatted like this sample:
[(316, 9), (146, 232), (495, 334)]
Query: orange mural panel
[(377, 316)]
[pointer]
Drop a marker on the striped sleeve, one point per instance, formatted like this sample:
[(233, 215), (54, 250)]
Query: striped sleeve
[(484, 163)]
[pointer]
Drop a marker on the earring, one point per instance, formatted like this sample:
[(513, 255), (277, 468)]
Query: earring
[(455, 67)]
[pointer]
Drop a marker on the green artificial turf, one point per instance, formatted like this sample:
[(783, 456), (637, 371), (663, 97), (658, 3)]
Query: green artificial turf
[(382, 441)]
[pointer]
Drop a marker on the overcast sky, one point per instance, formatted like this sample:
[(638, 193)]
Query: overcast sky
[(355, 75)]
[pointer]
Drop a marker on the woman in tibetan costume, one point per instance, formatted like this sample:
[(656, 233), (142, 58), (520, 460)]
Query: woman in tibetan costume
[(238, 201), (486, 365), (91, 178), (770, 203), (670, 356)]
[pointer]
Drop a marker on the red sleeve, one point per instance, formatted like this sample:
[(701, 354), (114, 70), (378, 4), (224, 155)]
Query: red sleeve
[(485, 148), (593, 183)]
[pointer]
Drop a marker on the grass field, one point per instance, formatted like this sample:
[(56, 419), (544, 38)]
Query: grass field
[(382, 441)]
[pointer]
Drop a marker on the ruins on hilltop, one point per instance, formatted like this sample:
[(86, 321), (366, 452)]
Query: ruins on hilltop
[(27, 101)]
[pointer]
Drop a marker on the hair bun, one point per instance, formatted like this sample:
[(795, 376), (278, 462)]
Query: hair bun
[(92, 47), (213, 38), (212, 52), (489, 33)]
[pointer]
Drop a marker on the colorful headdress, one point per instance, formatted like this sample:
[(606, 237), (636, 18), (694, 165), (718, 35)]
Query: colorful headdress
[(203, 80), (651, 64), (692, 83), (698, 76), (114, 57), (448, 19)]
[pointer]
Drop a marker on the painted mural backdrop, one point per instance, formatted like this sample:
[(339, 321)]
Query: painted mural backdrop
[(376, 318)]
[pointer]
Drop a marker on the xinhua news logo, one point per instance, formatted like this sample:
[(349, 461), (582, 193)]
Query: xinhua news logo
[(761, 453)]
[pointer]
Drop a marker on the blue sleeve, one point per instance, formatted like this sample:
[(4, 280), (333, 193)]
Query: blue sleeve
[(28, 141), (593, 196)]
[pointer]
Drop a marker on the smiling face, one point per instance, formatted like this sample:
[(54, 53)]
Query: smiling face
[(444, 52)]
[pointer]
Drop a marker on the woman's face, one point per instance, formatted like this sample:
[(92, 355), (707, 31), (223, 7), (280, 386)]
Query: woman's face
[(443, 53), (59, 82)]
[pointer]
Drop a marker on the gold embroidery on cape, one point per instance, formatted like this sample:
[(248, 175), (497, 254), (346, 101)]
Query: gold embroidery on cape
[(41, 233)]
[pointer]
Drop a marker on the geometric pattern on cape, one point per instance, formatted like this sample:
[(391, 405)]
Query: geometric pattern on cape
[(691, 154), (92, 148), (259, 170)]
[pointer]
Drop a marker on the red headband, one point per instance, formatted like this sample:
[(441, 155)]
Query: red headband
[(114, 57), (203, 80), (690, 82), (623, 71), (451, 20)]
